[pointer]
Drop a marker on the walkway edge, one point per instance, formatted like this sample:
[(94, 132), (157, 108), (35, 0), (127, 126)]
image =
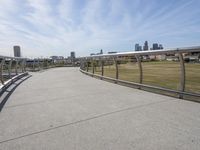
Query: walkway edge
[(144, 87)]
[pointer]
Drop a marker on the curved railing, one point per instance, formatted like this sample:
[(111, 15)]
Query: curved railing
[(174, 72), (11, 69), (14, 68)]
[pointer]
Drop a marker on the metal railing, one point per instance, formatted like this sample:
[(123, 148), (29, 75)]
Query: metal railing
[(14, 68), (11, 69), (182, 61), (38, 64)]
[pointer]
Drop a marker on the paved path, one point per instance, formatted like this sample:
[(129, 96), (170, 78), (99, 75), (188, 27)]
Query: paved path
[(63, 109)]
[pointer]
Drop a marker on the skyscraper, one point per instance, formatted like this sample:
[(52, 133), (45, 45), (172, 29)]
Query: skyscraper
[(138, 47), (145, 47), (155, 46), (17, 51), (72, 55), (160, 46), (101, 52)]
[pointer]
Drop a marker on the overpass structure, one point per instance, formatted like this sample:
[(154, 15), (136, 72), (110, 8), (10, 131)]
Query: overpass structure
[(62, 108)]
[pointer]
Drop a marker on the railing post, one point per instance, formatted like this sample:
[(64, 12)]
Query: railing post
[(140, 69), (84, 65), (81, 64), (87, 66), (182, 75), (39, 64), (33, 64), (16, 67), (116, 69), (92, 66), (10, 68), (102, 67), (24, 65), (48, 63), (1, 70), (42, 63)]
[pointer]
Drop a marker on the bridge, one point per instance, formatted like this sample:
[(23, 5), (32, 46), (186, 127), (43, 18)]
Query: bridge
[(62, 108)]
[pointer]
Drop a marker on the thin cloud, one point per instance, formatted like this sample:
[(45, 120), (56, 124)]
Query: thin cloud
[(44, 28)]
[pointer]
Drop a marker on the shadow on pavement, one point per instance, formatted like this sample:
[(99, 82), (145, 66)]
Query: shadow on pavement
[(4, 97)]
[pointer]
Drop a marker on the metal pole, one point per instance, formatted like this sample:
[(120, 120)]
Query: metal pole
[(81, 64), (1, 70), (47, 63), (84, 65), (39, 64), (140, 69), (87, 64), (93, 66), (117, 70), (24, 65), (102, 67), (34, 64), (182, 74), (43, 64), (16, 67), (10, 68)]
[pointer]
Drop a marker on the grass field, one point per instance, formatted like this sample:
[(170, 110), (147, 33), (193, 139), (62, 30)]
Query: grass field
[(159, 73)]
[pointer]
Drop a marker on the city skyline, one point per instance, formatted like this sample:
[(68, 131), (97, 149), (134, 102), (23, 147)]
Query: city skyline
[(56, 27)]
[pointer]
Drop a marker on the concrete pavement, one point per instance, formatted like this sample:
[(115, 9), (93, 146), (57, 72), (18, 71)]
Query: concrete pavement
[(62, 108)]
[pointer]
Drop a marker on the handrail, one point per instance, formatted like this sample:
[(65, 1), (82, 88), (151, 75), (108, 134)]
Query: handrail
[(9, 63), (9, 57), (149, 52), (139, 55), (12, 68)]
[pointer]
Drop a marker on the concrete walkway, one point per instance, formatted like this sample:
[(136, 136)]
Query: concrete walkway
[(63, 109)]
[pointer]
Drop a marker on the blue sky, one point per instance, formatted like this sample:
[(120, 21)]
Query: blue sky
[(56, 27)]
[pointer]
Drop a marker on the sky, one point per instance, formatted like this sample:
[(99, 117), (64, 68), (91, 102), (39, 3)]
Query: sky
[(44, 28)]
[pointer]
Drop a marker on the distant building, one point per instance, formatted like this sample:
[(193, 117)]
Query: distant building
[(112, 52), (160, 46), (57, 59), (137, 47), (140, 48), (155, 46), (145, 47), (17, 51), (72, 55), (92, 54), (101, 52), (54, 57), (61, 57)]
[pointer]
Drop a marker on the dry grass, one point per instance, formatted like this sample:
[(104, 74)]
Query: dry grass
[(160, 73)]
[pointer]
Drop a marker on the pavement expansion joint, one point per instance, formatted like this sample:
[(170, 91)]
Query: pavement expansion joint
[(83, 120)]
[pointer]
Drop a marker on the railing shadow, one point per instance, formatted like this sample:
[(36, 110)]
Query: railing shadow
[(5, 96)]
